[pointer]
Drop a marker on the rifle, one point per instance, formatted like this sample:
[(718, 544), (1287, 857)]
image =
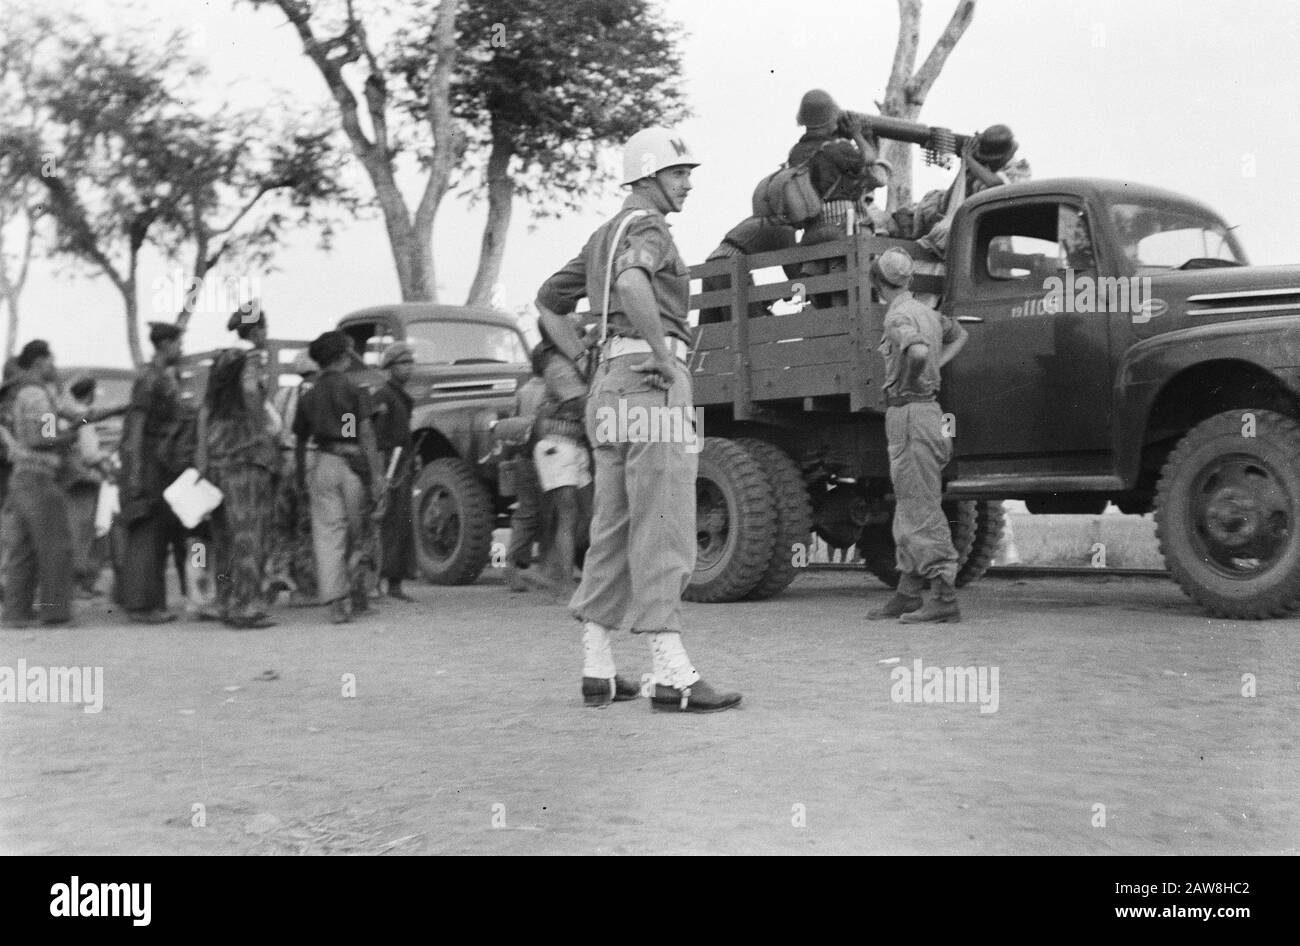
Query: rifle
[(381, 508)]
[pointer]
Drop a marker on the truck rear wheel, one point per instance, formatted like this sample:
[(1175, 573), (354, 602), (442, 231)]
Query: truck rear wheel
[(793, 516), (1226, 514), (453, 522), (735, 523), (990, 520), (876, 545)]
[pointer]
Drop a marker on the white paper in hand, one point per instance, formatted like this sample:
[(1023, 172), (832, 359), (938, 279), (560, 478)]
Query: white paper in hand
[(192, 498), (107, 506)]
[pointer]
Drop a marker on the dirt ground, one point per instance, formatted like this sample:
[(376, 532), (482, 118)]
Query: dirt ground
[(466, 733)]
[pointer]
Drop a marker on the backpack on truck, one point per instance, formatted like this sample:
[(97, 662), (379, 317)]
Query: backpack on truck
[(787, 196)]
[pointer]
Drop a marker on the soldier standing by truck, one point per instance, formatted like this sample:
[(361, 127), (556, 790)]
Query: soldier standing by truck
[(393, 433), (336, 415), (917, 342), (513, 437), (150, 462), (563, 461), (643, 528)]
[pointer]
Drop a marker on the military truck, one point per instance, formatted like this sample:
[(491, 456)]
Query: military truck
[(468, 363), (1121, 351)]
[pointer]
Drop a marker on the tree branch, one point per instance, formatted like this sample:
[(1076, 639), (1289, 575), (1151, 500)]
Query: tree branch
[(918, 87), (331, 69), (909, 38), (448, 141)]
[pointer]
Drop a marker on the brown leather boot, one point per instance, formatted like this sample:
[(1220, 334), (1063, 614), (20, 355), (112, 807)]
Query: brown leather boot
[(898, 605), (940, 606)]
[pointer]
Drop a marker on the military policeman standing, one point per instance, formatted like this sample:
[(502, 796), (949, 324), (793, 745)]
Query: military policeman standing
[(917, 342), (643, 524)]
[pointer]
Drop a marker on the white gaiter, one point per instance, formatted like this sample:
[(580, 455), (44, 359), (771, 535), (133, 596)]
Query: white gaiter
[(672, 668), (597, 657)]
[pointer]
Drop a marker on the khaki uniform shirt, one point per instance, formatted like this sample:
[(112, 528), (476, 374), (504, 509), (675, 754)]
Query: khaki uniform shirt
[(907, 322), (646, 245)]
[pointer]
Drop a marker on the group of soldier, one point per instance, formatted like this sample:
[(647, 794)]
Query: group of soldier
[(306, 505), (629, 499)]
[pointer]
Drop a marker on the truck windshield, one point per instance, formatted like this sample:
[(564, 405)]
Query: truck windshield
[(464, 343), (1156, 239)]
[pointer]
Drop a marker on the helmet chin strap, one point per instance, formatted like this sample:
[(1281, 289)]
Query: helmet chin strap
[(671, 203)]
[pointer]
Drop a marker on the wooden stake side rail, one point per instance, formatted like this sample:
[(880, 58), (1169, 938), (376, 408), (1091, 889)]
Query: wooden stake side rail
[(196, 365), (750, 360)]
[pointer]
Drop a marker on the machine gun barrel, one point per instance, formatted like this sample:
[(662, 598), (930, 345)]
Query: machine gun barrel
[(938, 140)]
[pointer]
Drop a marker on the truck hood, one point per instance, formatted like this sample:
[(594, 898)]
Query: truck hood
[(1231, 290), (1183, 299)]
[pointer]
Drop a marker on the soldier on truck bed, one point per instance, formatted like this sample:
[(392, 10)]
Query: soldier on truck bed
[(842, 167), (752, 235)]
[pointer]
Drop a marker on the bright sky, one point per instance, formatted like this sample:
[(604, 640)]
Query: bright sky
[(1194, 95)]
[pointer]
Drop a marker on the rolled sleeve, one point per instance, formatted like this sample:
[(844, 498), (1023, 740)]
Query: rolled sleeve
[(647, 248), (904, 332), (562, 291)]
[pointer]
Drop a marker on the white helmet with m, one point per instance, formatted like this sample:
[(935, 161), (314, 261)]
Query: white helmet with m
[(652, 150)]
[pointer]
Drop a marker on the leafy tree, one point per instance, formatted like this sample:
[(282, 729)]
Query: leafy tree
[(126, 163), (336, 39), (509, 98), (543, 86)]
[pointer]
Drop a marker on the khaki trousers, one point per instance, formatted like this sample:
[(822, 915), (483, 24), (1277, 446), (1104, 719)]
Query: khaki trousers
[(338, 504), (918, 452), (643, 540)]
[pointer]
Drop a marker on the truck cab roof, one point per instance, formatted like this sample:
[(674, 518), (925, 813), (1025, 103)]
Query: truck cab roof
[(406, 312), (1102, 189)]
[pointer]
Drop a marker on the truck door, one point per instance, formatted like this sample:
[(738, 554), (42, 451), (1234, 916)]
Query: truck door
[(1034, 378)]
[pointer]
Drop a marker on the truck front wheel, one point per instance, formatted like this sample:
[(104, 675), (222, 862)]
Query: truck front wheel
[(1226, 514), (453, 522)]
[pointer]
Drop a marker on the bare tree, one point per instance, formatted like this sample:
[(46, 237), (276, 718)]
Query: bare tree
[(909, 86), (17, 213), (410, 235), (20, 40)]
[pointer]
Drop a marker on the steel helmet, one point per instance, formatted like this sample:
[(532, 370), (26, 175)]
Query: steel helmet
[(651, 150), (816, 108)]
